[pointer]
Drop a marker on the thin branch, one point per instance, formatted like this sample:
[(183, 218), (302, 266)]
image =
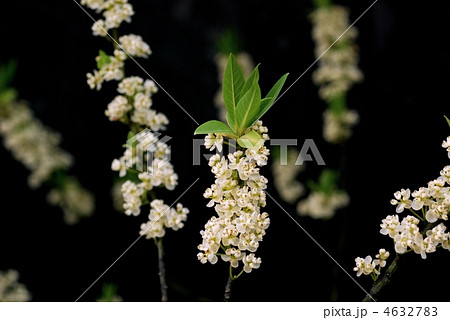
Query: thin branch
[(162, 270), (227, 295), (383, 281)]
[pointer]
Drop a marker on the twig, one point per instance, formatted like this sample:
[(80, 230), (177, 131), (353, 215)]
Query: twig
[(227, 295), (162, 270), (383, 281)]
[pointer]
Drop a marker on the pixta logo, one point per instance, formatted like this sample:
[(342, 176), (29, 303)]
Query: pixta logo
[(149, 151), (308, 151)]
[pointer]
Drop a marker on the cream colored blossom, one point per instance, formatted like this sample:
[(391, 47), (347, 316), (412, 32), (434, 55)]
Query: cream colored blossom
[(135, 46), (321, 205), (10, 289), (285, 177), (75, 201), (338, 69), (337, 127), (31, 143)]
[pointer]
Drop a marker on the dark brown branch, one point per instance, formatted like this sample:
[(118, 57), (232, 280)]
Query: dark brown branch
[(227, 295), (383, 281), (162, 269)]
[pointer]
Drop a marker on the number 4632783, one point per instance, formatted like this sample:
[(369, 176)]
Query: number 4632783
[(411, 311)]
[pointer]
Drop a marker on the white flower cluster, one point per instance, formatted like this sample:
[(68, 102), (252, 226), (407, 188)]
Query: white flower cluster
[(75, 201), (427, 204), (284, 177), (407, 235), (110, 70), (337, 126), (10, 289), (31, 143), (368, 266), (162, 217), (135, 46), (322, 205), (134, 193), (159, 173), (246, 64), (433, 202), (338, 69), (133, 107), (237, 196), (135, 102), (114, 12)]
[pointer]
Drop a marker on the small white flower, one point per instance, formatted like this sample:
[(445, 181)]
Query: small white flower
[(402, 200), (95, 80), (213, 141), (382, 256), (364, 266), (251, 262), (446, 144)]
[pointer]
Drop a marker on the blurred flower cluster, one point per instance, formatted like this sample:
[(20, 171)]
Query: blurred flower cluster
[(37, 148), (10, 289), (338, 68)]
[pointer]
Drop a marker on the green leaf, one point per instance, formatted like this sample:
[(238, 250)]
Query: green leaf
[(231, 121), (7, 96), (313, 186), (338, 104), (7, 73), (109, 292), (248, 108), (251, 140), (328, 180), (448, 120), (215, 126), (322, 3), (103, 59), (251, 81), (272, 95), (233, 82), (229, 41)]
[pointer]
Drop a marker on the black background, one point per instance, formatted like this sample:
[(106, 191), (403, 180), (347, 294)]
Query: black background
[(397, 144)]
